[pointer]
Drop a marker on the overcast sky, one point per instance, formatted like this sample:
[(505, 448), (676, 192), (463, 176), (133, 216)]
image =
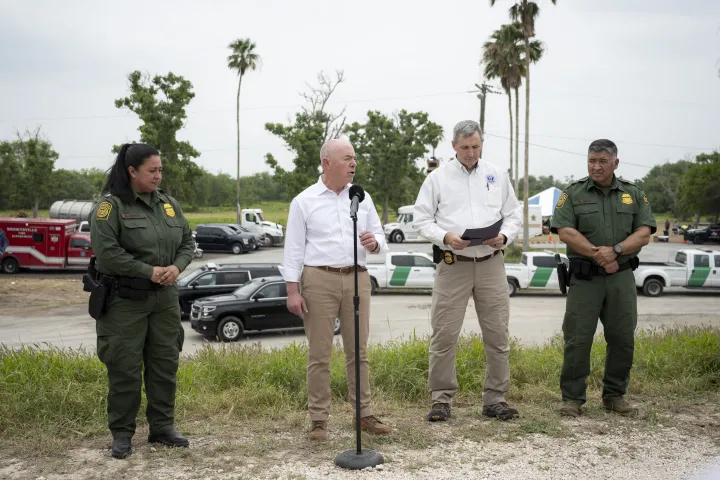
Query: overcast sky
[(643, 73)]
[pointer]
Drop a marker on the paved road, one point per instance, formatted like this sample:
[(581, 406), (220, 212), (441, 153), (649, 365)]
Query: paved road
[(535, 317)]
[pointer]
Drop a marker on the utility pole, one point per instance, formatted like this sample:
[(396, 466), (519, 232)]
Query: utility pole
[(484, 89)]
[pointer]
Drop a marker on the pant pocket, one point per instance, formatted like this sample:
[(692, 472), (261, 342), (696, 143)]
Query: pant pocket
[(181, 339), (106, 348)]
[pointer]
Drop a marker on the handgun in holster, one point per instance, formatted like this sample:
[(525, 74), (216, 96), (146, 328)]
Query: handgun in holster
[(563, 274), (99, 291)]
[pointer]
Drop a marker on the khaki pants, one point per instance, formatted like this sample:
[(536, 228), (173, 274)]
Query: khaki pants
[(327, 296), (451, 292)]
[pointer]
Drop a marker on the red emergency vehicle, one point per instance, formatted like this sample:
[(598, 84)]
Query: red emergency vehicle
[(42, 244)]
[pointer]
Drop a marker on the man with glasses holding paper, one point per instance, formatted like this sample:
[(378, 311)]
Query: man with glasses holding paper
[(469, 211)]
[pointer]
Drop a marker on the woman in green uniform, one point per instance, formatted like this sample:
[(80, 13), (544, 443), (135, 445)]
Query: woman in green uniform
[(141, 242)]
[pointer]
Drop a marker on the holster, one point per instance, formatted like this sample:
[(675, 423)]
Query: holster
[(437, 254), (563, 274), (100, 291)]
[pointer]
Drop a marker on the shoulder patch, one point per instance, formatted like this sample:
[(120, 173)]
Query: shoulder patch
[(645, 199), (103, 211), (561, 201)]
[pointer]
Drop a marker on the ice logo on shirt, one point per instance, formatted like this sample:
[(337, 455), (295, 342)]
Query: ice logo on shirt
[(490, 179)]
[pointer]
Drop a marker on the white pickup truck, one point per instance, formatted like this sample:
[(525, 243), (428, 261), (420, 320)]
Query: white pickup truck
[(403, 270), (692, 268), (536, 271)]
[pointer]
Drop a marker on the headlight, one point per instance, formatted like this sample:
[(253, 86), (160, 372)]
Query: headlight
[(245, 240), (206, 310)]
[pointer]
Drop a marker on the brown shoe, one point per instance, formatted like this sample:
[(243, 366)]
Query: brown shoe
[(319, 431), (619, 405), (570, 409), (372, 425)]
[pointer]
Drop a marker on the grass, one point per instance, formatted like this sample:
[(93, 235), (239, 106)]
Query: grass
[(52, 394)]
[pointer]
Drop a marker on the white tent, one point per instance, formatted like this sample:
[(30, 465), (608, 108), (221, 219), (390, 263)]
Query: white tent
[(547, 199)]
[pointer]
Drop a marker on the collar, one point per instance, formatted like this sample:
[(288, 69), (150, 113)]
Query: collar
[(616, 184), (320, 188), (155, 197), (462, 168)]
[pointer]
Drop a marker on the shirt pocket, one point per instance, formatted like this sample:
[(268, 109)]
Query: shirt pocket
[(175, 232), (588, 218), (625, 216), (135, 234), (494, 196)]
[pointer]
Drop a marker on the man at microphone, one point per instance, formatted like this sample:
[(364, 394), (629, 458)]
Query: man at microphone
[(318, 268), (462, 194)]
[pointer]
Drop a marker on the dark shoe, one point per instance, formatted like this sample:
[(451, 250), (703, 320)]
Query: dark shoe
[(500, 410), (170, 438), (619, 405), (440, 412), (121, 447), (570, 409), (372, 425), (319, 431)]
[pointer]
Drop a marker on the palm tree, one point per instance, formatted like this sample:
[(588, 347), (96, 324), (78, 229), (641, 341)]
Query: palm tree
[(526, 12), (242, 59)]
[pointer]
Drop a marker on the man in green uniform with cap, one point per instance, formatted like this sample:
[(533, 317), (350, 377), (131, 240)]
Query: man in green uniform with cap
[(604, 221), (141, 242)]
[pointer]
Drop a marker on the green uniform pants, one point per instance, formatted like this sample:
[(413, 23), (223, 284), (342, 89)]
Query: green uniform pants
[(136, 339), (613, 299)]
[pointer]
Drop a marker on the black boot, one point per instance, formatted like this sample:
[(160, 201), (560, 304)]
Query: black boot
[(169, 437), (121, 447)]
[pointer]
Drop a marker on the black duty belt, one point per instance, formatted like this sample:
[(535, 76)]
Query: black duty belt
[(584, 268), (134, 283)]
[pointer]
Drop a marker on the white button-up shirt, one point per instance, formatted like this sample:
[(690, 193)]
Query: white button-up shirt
[(320, 230), (453, 199)]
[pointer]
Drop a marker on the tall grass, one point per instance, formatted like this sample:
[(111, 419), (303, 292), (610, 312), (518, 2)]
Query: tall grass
[(62, 392)]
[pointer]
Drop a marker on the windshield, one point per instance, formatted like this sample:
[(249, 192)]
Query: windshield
[(260, 217), (246, 290), (189, 277)]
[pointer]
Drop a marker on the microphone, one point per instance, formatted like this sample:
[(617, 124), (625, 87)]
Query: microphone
[(357, 195)]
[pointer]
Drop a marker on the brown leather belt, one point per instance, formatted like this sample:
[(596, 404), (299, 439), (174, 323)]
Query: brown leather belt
[(342, 270), (461, 258)]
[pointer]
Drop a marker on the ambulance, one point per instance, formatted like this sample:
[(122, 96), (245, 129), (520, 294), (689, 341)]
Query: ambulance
[(42, 244)]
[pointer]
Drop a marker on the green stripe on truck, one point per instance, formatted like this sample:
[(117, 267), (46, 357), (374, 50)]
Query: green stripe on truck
[(400, 276), (698, 276), (541, 277)]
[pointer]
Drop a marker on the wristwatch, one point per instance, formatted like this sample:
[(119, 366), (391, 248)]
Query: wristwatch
[(618, 249)]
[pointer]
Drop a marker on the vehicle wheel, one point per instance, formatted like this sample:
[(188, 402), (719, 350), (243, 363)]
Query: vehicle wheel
[(653, 287), (10, 265), (268, 241), (698, 240), (373, 286), (512, 288), (230, 329), (336, 327), (397, 237), (237, 249)]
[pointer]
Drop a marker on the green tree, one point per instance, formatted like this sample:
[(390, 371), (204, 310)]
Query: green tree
[(662, 185), (388, 150), (243, 59), (313, 126), (37, 160), (700, 191), (71, 184), (526, 13), (160, 103), (10, 168)]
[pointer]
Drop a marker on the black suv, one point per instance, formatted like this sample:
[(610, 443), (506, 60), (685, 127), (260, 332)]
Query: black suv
[(259, 240), (213, 279), (220, 238), (260, 304), (698, 236)]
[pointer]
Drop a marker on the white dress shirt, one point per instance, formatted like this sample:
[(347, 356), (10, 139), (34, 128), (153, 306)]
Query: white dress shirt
[(452, 199), (320, 230)]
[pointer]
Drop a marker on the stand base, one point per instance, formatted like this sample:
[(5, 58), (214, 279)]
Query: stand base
[(351, 460)]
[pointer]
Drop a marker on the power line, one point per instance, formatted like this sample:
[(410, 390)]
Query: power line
[(626, 142)]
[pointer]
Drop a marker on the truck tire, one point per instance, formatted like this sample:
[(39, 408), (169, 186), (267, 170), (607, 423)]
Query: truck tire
[(10, 265), (698, 240), (397, 237), (652, 287), (230, 329), (237, 249), (373, 286), (269, 240), (512, 288)]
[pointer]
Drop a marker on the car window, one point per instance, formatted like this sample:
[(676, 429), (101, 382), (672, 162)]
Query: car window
[(547, 262), (269, 272), (681, 257), (274, 290), (423, 262), (248, 217), (409, 218), (702, 260), (402, 260), (235, 278), (207, 280), (79, 243), (717, 260), (524, 259)]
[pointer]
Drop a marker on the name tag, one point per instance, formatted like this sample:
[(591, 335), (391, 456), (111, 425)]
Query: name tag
[(584, 202), (133, 215)]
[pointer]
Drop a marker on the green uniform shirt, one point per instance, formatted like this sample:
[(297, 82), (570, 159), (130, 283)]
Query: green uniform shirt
[(604, 215), (131, 239)]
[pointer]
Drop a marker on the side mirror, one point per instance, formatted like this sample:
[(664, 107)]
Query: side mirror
[(259, 296), (194, 284), (86, 247)]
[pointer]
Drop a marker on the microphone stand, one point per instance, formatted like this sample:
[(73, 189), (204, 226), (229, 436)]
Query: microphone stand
[(357, 459)]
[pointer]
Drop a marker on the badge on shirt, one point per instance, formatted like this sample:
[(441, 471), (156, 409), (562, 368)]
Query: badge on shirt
[(627, 199), (103, 211), (169, 210), (490, 179)]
